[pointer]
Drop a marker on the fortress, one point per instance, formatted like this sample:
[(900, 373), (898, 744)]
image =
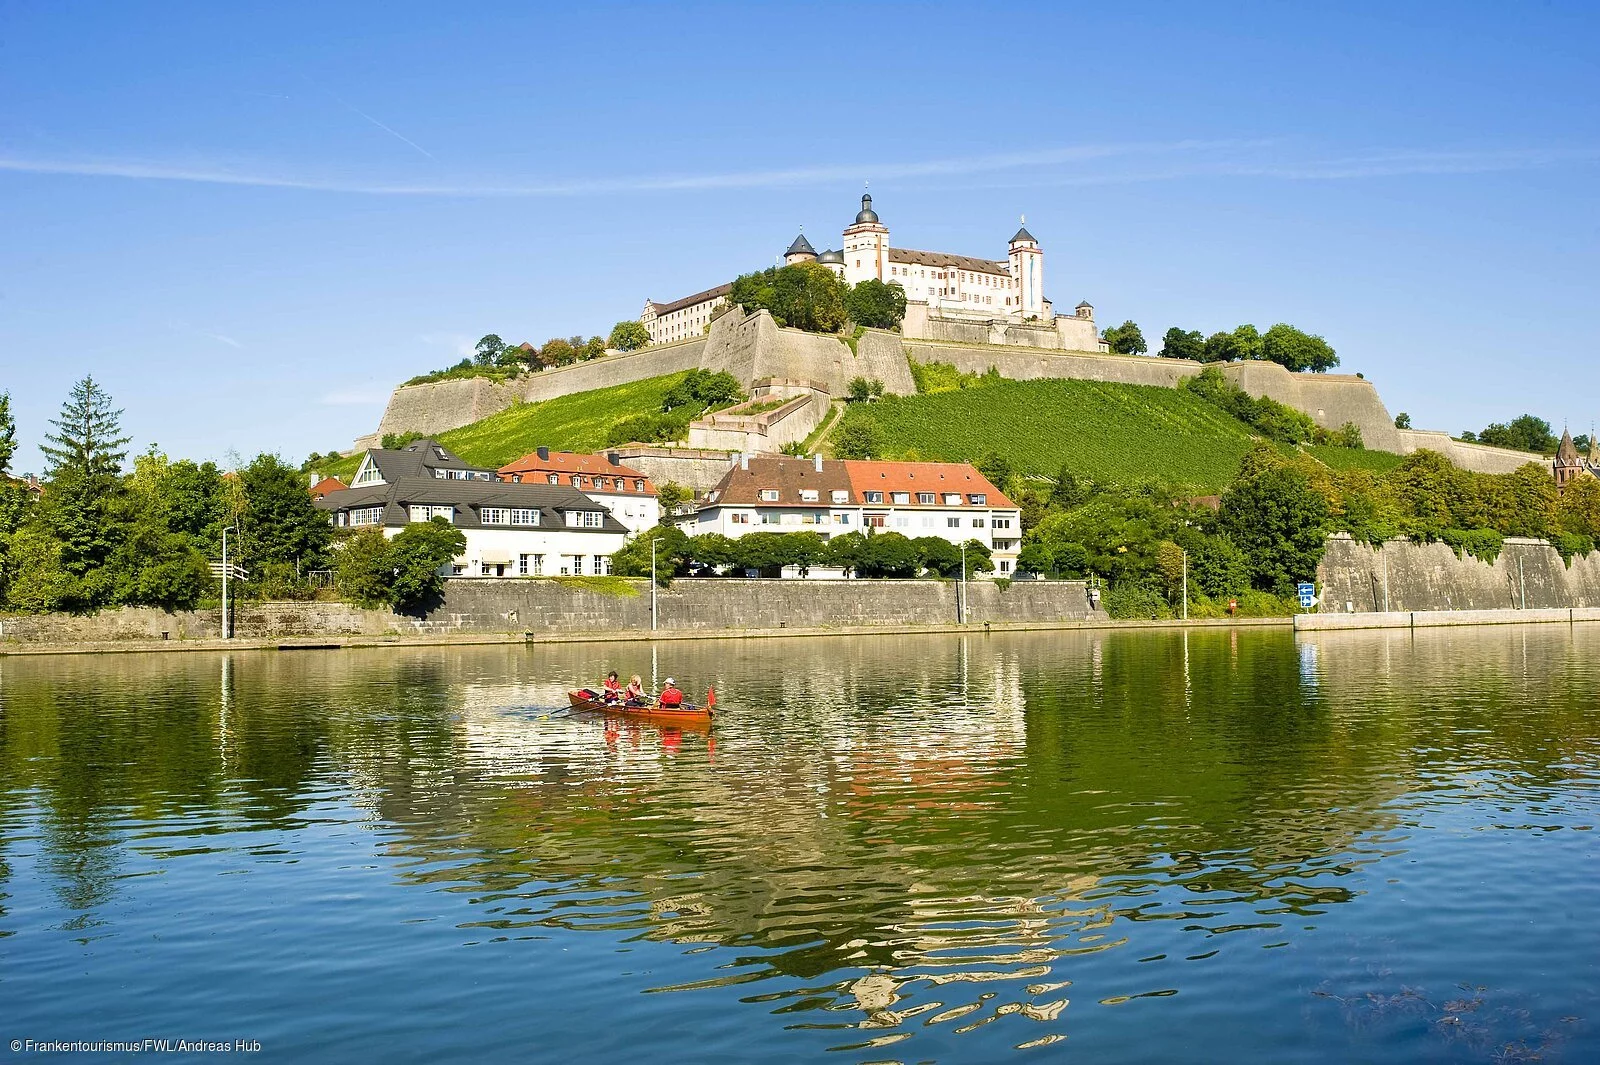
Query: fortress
[(975, 314)]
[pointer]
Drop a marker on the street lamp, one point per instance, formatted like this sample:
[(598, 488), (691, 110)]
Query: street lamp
[(652, 584), (962, 598), (227, 620)]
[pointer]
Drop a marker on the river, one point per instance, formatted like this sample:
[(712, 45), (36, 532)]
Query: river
[(1152, 846)]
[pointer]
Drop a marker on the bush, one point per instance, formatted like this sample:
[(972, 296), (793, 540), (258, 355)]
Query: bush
[(1132, 600), (875, 304), (1482, 544)]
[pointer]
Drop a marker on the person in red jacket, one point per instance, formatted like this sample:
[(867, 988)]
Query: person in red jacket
[(611, 690), (671, 697)]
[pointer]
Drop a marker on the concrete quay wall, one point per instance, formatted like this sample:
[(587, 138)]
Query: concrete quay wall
[(1401, 576), (1433, 619), (483, 606)]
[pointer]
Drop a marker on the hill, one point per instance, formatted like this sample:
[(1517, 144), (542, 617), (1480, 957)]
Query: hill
[(1105, 431), (576, 422)]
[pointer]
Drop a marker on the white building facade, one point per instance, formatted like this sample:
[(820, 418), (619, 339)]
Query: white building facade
[(624, 491), (952, 501), (685, 318), (511, 530)]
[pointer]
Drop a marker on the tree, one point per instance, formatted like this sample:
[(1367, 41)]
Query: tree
[(863, 389), (1524, 433), (672, 554), (487, 351), (671, 494), (279, 524), (938, 555), (857, 438), (846, 552), (1402, 420), (8, 434), (629, 335), (1222, 347), (592, 348), (418, 555), (1280, 523), (85, 453), (1178, 344), (557, 352), (1297, 351), (876, 305), (804, 296), (1578, 508), (889, 555), (1247, 341), (362, 569), (996, 468), (1125, 339)]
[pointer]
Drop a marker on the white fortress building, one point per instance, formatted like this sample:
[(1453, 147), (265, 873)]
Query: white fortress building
[(942, 290)]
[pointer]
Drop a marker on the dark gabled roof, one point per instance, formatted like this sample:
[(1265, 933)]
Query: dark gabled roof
[(939, 258), (468, 497), (690, 301), (1023, 234), (801, 246), (416, 457)]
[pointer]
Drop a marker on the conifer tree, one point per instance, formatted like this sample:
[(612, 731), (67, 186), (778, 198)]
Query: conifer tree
[(85, 453)]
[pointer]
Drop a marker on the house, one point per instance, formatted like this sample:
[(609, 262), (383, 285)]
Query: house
[(512, 530), (624, 491), (321, 486), (951, 500)]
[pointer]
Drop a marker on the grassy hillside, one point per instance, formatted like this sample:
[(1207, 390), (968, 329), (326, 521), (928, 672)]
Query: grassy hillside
[(1344, 458), (1106, 431), (578, 422)]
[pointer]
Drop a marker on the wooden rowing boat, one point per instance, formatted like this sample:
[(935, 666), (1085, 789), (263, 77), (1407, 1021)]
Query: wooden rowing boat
[(589, 699)]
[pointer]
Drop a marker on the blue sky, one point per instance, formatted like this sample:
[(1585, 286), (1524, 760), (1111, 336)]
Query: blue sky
[(250, 222)]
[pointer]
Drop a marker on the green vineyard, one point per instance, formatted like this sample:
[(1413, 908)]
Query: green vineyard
[(1103, 431)]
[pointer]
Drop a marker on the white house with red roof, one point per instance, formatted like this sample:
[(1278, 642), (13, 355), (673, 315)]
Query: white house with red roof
[(950, 500), (623, 490)]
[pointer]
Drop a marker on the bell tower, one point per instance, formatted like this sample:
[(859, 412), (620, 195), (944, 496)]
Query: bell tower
[(1027, 270), (866, 245)]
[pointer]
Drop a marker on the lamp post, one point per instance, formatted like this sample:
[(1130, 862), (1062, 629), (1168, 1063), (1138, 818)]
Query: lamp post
[(652, 584), (1185, 584), (227, 620), (962, 613)]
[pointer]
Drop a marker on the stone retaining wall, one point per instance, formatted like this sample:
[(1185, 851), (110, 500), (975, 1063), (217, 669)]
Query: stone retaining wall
[(513, 605), (1527, 575)]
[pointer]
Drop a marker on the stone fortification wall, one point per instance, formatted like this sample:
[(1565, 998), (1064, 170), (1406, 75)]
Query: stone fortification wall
[(1331, 399), (439, 405), (766, 432), (510, 605), (1528, 574), (753, 347), (697, 468), (1479, 457), (1026, 365)]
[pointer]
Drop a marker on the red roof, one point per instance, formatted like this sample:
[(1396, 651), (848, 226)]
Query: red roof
[(789, 476), (326, 485), (913, 477), (531, 469)]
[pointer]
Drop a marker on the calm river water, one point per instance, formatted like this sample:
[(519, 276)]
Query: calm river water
[(1102, 847)]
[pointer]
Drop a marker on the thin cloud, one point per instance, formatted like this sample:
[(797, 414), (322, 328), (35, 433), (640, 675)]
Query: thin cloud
[(1186, 158), (221, 339)]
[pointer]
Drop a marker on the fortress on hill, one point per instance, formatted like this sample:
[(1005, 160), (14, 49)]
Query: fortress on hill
[(975, 314), (940, 288)]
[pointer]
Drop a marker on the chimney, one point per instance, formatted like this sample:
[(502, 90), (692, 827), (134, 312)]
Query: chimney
[(614, 458), (819, 461), (744, 460), (544, 454), (315, 477)]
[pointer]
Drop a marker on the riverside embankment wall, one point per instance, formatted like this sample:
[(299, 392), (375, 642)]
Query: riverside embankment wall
[(550, 606), (1402, 576)]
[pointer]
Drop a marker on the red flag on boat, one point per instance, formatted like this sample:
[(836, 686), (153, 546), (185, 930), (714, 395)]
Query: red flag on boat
[(711, 697)]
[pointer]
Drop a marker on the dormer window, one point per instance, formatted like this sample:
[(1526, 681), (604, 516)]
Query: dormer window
[(900, 499), (978, 499), (952, 499), (927, 499), (808, 495), (873, 497), (841, 496), (769, 495)]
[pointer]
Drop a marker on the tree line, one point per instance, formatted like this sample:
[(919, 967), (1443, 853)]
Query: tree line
[(812, 297), (1291, 348), (869, 554)]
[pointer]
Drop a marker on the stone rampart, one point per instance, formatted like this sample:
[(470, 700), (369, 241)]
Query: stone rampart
[(534, 605), (439, 405), (1406, 576), (766, 432), (1479, 457), (697, 468)]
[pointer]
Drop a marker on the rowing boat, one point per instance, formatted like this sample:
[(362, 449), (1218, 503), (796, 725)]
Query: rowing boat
[(589, 699)]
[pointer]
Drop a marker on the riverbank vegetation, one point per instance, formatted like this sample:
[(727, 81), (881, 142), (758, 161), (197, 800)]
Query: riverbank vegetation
[(98, 533)]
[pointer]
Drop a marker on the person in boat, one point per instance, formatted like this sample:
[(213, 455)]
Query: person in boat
[(671, 698), (611, 689), (634, 695)]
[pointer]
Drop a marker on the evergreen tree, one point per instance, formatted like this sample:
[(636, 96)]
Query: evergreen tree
[(280, 527), (81, 508)]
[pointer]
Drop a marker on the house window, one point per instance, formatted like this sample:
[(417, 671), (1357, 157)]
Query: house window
[(493, 516), (841, 496), (952, 499), (1005, 565), (874, 521), (369, 474), (585, 519), (901, 498), (602, 565), (524, 516), (770, 517), (553, 478), (926, 499), (457, 569), (977, 523), (530, 565), (808, 495), (577, 565), (1002, 523), (978, 499), (638, 486), (841, 519), (873, 497), (769, 495), (739, 519), (427, 512), (952, 523), (366, 516)]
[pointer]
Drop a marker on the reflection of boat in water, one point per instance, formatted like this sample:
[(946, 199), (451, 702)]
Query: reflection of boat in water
[(689, 714)]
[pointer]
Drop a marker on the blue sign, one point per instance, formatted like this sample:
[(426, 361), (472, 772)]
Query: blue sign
[(1308, 594)]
